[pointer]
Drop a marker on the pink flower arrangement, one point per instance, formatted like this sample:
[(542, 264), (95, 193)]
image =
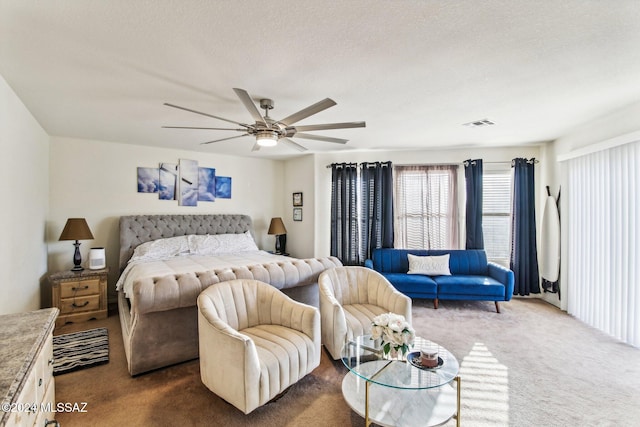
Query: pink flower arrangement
[(394, 331)]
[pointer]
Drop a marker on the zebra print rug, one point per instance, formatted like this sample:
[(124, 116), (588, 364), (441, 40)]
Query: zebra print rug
[(80, 350)]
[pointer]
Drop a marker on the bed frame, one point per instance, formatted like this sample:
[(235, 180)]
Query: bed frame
[(155, 339), (158, 339)]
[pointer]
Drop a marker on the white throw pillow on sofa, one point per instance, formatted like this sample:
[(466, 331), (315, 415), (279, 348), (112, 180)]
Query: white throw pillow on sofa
[(429, 265)]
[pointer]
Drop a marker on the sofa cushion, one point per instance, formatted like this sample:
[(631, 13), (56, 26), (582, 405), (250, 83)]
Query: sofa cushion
[(469, 285), (415, 284), (286, 355)]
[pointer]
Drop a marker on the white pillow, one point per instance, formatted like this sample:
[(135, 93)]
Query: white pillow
[(429, 265), (161, 248), (216, 244)]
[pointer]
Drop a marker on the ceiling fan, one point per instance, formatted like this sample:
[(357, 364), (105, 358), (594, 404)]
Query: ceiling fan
[(267, 131)]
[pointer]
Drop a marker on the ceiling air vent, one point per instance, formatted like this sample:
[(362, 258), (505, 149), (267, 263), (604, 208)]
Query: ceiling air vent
[(479, 123)]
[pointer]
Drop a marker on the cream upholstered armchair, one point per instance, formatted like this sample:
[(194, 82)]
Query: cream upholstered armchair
[(254, 341), (350, 297)]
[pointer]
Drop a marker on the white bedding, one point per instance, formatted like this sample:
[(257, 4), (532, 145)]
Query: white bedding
[(144, 269)]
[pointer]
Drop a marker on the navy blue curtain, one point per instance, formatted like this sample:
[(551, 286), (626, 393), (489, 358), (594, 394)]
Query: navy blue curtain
[(524, 252), (473, 180), (376, 216), (344, 213)]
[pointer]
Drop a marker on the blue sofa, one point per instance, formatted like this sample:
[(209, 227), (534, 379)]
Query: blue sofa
[(472, 277)]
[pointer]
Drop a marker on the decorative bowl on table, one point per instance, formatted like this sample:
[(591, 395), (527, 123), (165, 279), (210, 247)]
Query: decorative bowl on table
[(415, 358)]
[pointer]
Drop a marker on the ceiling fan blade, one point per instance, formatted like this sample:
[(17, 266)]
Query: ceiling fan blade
[(295, 145), (249, 105), (193, 127), (224, 139), (309, 111), (320, 138), (326, 126), (205, 114)]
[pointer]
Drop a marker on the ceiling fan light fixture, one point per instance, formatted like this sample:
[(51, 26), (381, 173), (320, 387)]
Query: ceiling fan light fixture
[(269, 132), (267, 138)]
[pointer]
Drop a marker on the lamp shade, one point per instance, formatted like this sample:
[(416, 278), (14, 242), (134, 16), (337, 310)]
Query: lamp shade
[(277, 227), (76, 229)]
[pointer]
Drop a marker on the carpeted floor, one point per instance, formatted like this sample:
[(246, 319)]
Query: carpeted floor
[(531, 365)]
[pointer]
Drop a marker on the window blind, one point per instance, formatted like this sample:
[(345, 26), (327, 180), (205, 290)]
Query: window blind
[(603, 220), (496, 214)]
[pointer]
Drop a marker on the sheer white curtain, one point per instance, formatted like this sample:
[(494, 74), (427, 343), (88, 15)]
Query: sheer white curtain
[(426, 207), (603, 221)]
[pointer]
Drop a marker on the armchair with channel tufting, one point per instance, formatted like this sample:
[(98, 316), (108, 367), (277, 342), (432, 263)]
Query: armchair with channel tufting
[(350, 297), (254, 341)]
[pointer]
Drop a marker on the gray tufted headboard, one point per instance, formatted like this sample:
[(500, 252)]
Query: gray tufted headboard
[(137, 229)]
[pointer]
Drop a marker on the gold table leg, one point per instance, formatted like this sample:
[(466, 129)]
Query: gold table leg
[(457, 379), (367, 422)]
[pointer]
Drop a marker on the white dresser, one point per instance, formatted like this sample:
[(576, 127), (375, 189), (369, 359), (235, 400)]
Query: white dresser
[(27, 387)]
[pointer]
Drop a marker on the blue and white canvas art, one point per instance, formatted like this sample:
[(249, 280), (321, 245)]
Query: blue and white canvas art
[(168, 178), (223, 187), (187, 182), (148, 180), (206, 184)]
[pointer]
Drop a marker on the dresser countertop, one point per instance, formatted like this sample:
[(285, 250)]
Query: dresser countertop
[(22, 335)]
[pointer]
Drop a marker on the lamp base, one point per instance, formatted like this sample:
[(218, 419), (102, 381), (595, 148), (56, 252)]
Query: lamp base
[(77, 258), (281, 243)]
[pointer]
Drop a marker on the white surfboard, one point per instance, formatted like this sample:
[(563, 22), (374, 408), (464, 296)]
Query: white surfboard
[(550, 241)]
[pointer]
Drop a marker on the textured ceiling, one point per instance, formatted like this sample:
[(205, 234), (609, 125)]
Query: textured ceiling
[(415, 71)]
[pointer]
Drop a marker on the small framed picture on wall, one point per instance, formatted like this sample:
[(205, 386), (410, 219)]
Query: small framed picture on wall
[(297, 214), (297, 199)]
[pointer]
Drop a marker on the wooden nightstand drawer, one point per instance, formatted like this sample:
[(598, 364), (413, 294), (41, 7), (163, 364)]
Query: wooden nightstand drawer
[(80, 288), (78, 304), (80, 295)]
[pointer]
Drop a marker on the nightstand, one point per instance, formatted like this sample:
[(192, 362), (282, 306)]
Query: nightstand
[(80, 295)]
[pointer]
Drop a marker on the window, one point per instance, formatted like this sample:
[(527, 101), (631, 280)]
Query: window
[(496, 214), (426, 207)]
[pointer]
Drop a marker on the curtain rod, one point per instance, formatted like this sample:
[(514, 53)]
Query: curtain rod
[(534, 160), (530, 161), (356, 164), (473, 162), (428, 164), (342, 164)]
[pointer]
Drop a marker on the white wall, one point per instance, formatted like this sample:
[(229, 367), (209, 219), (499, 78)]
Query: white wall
[(299, 173), (548, 177), (24, 187), (323, 175), (97, 180)]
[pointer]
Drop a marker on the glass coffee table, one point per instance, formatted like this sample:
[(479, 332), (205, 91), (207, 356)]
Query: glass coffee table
[(400, 392)]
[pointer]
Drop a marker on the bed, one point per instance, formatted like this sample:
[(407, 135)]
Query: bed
[(167, 260)]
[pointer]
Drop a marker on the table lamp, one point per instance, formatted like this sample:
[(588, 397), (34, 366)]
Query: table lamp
[(76, 229), (277, 227)]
